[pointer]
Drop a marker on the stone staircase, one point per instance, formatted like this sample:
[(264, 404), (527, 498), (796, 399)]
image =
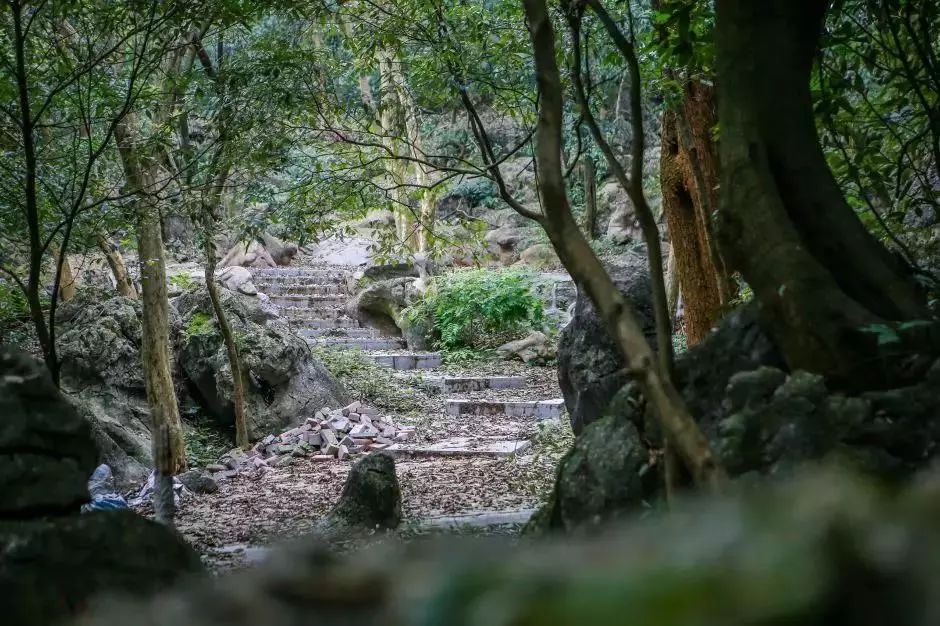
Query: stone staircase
[(314, 301)]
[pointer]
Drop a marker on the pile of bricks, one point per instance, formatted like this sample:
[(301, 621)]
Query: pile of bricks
[(329, 434)]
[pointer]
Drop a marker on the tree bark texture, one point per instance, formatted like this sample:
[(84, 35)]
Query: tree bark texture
[(142, 176), (112, 254), (590, 196), (689, 227), (821, 277), (587, 271)]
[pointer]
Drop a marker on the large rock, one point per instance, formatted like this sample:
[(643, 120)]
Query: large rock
[(99, 347), (535, 347), (506, 242), (53, 560), (615, 206), (590, 367), (371, 498), (53, 569), (285, 384), (607, 474), (381, 303), (825, 549), (46, 449)]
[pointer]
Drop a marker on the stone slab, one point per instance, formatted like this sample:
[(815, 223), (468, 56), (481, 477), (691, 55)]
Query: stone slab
[(409, 361), (539, 409), (339, 333), (461, 446), (325, 322), (464, 384), (360, 343)]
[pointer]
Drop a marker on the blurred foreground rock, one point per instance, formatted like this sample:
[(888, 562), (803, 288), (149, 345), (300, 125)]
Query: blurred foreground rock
[(826, 549), (52, 559)]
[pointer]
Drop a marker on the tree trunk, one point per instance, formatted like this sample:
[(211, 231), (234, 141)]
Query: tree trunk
[(169, 450), (590, 196), (587, 271), (688, 232), (231, 349), (123, 282), (783, 221), (67, 281)]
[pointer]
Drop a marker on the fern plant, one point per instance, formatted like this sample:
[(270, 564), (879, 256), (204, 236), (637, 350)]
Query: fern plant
[(479, 309)]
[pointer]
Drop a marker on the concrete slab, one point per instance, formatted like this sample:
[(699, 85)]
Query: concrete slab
[(322, 322), (539, 409), (409, 361), (359, 343), (301, 289), (461, 446), (464, 384), (338, 333)]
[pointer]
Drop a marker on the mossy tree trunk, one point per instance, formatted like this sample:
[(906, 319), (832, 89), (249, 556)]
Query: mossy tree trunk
[(124, 284), (819, 274), (169, 451)]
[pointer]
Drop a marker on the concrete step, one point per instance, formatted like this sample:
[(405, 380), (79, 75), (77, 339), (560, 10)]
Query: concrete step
[(482, 519), (463, 384), (410, 360), (270, 275), (339, 333), (360, 343), (300, 289), (302, 314), (325, 323), (310, 301), (461, 446), (539, 409)]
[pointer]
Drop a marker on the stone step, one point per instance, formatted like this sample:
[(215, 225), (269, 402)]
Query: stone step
[(339, 333), (325, 323), (410, 360), (482, 519), (297, 274), (295, 289), (359, 343), (303, 314), (310, 301), (461, 446), (463, 384), (539, 409)]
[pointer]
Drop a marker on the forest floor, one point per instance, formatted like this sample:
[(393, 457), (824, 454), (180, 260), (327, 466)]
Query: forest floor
[(261, 507)]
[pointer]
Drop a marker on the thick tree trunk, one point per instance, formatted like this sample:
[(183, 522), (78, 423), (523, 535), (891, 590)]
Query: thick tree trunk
[(688, 232), (587, 271), (123, 282), (783, 221), (169, 450)]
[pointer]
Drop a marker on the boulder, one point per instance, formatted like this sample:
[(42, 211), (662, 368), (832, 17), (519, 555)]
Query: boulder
[(505, 242), (51, 570), (533, 348), (590, 367), (53, 560), (606, 475), (614, 205), (381, 303), (371, 498), (99, 347), (285, 384), (539, 256), (237, 278), (46, 449), (198, 481)]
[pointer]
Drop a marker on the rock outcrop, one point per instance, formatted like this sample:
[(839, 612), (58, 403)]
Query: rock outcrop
[(99, 347), (285, 383), (380, 304), (53, 561), (590, 368)]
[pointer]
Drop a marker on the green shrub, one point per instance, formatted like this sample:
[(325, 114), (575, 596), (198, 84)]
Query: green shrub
[(367, 381), (183, 281), (200, 324), (479, 309)]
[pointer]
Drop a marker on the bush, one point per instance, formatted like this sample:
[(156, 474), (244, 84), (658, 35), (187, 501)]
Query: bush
[(479, 309)]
